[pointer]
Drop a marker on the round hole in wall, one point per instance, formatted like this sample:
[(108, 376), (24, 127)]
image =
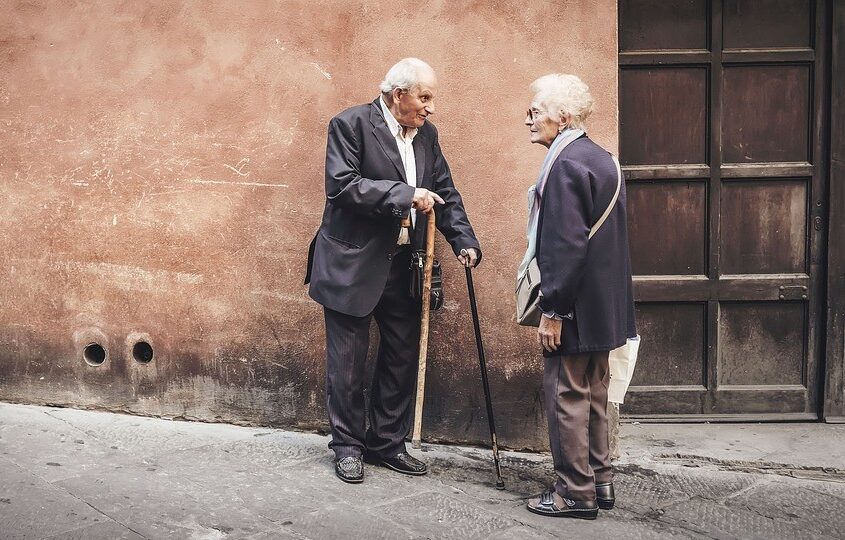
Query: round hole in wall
[(142, 352), (94, 354)]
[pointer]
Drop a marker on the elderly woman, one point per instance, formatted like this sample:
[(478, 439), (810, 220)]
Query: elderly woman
[(578, 234)]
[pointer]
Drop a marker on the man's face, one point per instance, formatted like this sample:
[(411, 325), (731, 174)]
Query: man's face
[(414, 105)]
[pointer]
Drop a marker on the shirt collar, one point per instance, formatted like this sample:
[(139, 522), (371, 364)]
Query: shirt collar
[(392, 124)]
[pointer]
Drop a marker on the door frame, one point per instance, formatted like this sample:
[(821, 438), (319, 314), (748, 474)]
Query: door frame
[(834, 379)]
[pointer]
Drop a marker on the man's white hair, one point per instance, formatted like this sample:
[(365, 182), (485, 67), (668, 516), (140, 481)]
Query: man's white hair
[(560, 93), (404, 75)]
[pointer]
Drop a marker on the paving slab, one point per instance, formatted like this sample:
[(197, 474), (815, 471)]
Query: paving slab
[(131, 433), (31, 507), (340, 520), (155, 505), (445, 516), (521, 532), (111, 530), (282, 533), (797, 445), (52, 448), (788, 500), (716, 520)]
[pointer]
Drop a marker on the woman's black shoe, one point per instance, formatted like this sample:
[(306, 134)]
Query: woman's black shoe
[(605, 496)]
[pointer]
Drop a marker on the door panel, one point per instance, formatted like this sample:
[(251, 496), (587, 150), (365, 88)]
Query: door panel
[(766, 24), (658, 24), (675, 102), (720, 104), (675, 351), (672, 215), (764, 227), (761, 343), (766, 113)]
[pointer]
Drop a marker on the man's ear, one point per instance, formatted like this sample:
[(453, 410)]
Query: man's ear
[(395, 94)]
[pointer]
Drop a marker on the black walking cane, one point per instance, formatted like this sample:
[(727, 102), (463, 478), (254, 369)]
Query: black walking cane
[(500, 484)]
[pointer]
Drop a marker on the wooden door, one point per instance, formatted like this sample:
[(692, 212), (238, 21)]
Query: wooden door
[(721, 137)]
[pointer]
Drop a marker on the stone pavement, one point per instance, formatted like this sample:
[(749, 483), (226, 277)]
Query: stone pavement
[(78, 474)]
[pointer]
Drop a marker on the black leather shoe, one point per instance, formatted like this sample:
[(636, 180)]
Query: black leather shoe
[(605, 496), (405, 463), (553, 505), (350, 469)]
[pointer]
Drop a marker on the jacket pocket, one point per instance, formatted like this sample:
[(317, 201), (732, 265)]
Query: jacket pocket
[(342, 242)]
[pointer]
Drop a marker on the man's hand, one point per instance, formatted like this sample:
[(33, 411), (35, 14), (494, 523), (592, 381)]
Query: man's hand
[(549, 333), (468, 257), (424, 200)]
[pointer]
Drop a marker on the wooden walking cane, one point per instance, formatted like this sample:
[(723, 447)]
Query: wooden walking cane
[(426, 310)]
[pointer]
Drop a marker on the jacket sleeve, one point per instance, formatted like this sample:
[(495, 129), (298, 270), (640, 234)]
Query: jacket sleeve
[(564, 233), (346, 188), (452, 218)]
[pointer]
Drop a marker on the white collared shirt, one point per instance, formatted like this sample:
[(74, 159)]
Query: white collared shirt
[(405, 145)]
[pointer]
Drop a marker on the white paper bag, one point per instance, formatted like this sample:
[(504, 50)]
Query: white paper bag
[(622, 362)]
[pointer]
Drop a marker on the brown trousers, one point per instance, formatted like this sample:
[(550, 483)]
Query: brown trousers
[(575, 388)]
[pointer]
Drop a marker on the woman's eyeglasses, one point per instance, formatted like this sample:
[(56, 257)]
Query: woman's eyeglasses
[(533, 113)]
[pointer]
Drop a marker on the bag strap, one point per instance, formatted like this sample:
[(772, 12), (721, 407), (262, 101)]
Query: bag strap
[(604, 216)]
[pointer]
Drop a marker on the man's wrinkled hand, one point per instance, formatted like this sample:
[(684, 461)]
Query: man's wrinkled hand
[(424, 200), (549, 333), (469, 257)]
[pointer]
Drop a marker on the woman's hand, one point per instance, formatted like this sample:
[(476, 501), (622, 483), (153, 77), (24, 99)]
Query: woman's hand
[(549, 333)]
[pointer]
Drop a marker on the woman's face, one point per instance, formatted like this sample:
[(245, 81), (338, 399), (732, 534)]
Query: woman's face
[(543, 128)]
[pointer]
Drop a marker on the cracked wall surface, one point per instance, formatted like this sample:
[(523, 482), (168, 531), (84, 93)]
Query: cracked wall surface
[(161, 175)]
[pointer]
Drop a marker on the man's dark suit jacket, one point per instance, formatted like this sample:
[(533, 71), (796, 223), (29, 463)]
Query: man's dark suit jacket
[(367, 196), (591, 278)]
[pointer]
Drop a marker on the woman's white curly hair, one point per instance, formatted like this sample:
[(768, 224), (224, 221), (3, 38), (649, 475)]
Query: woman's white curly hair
[(561, 93)]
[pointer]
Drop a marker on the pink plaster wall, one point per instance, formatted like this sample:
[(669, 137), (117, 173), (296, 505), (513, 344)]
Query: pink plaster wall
[(161, 175)]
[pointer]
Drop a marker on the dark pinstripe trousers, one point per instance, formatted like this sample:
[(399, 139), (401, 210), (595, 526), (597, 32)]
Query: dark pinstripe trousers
[(394, 377), (575, 391)]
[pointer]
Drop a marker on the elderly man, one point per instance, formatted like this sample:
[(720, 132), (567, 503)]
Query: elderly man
[(383, 164)]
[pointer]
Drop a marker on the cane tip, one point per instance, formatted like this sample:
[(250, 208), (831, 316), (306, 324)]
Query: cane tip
[(500, 484), (416, 444)]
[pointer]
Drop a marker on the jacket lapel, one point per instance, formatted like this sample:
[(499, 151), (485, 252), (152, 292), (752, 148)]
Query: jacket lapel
[(385, 138), (419, 157)]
